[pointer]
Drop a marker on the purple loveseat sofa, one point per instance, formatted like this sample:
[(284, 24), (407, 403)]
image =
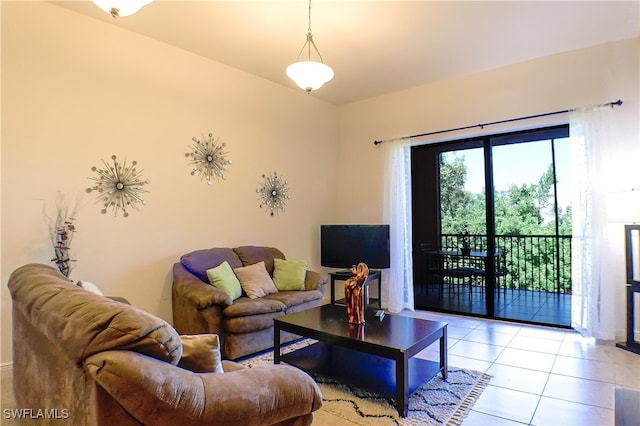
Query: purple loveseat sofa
[(244, 325)]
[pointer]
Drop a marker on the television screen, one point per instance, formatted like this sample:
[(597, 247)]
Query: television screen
[(342, 246)]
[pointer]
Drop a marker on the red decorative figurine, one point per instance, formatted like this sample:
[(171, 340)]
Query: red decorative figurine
[(354, 293)]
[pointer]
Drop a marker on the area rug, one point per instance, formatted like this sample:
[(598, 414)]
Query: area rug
[(438, 402)]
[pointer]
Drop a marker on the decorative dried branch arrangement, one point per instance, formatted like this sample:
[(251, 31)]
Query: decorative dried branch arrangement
[(61, 230)]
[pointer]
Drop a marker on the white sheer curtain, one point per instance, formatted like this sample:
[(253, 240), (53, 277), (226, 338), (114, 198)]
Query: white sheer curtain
[(398, 282), (593, 302)]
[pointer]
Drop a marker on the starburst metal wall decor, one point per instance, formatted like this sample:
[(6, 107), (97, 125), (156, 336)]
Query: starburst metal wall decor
[(119, 186), (208, 157), (273, 193)]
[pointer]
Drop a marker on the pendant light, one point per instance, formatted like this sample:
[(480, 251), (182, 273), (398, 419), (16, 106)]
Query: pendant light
[(308, 74), (121, 7)]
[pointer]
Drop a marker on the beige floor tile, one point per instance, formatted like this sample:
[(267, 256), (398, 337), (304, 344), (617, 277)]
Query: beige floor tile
[(455, 361), (516, 378), (475, 350), (628, 376), (585, 369), (476, 418), (500, 327), (589, 349), (507, 404), (455, 332), (583, 391), (430, 354), (466, 322), (468, 363), (535, 344), (621, 356), (525, 359), (489, 337), (556, 412), (584, 349), (574, 336), (543, 332)]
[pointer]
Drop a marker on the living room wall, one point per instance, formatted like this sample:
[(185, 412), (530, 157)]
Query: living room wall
[(574, 79), (76, 91)]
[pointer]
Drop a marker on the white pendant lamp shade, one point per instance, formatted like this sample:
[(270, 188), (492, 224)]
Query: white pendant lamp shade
[(309, 75), (121, 7)]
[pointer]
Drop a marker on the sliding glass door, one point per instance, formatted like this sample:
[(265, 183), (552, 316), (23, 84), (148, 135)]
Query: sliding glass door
[(533, 228), (449, 202), (492, 226)]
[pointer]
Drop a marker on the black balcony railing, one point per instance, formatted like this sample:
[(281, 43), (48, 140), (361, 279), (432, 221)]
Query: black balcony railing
[(525, 262)]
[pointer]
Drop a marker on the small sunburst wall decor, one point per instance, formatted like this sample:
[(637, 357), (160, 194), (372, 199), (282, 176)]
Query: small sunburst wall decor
[(273, 193), (119, 186), (208, 157)]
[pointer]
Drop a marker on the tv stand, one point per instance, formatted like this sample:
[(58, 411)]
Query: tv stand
[(345, 275)]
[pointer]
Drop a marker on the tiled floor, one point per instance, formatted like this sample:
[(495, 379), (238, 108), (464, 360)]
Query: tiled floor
[(541, 375)]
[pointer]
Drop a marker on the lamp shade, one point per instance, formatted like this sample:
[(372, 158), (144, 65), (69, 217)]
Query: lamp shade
[(121, 7), (309, 75)]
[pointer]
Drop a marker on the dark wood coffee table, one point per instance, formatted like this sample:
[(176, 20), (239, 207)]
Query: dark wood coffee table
[(377, 356)]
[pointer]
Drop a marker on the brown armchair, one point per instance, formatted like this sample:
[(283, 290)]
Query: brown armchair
[(101, 362)]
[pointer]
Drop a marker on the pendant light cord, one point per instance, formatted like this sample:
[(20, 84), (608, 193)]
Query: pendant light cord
[(310, 41)]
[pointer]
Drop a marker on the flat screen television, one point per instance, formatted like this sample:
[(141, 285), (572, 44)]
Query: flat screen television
[(342, 246)]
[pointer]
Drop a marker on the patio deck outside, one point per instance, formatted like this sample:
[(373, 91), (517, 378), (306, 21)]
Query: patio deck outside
[(533, 279)]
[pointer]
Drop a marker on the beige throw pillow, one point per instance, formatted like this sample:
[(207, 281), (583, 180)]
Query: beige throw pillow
[(255, 280), (201, 353), (90, 287)]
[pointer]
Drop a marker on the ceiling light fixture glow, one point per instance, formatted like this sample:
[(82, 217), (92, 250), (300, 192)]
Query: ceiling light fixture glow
[(121, 7), (308, 74)]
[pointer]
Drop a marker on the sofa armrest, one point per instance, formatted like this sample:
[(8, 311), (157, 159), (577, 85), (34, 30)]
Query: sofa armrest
[(315, 281), (158, 393), (189, 287)]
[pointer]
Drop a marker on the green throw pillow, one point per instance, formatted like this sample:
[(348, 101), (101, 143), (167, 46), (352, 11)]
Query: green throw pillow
[(289, 274), (222, 277)]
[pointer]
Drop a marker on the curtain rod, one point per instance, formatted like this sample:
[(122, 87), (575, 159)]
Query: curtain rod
[(611, 104)]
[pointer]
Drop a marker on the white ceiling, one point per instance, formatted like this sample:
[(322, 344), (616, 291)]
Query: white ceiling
[(377, 47)]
